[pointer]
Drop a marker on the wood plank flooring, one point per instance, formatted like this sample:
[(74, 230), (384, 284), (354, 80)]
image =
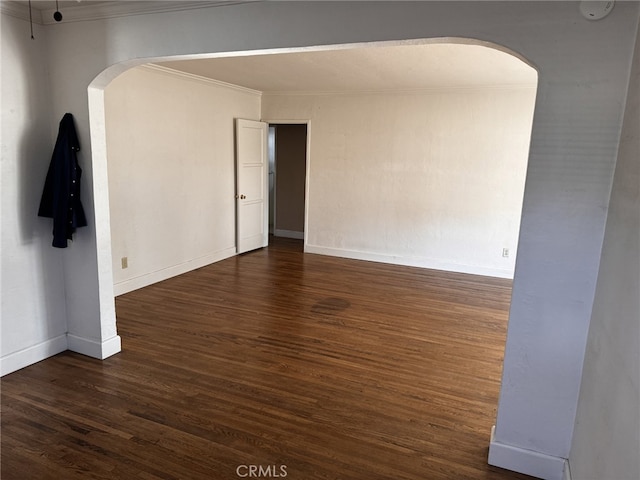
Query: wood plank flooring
[(272, 364)]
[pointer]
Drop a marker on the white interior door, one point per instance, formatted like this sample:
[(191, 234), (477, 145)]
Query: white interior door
[(252, 185)]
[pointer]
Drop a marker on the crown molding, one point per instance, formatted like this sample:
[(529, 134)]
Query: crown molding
[(21, 11), (405, 91), (100, 10), (190, 76), (333, 93)]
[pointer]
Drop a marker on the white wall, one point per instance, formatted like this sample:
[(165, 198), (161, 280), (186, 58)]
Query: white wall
[(432, 179), (33, 298), (170, 140), (584, 70), (606, 441)]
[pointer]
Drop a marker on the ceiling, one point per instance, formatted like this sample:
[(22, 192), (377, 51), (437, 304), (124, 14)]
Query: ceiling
[(62, 4), (41, 11), (411, 65), (367, 68), (65, 4)]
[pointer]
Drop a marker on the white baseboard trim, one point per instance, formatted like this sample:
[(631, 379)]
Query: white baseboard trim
[(93, 348), (567, 471), (525, 461), (34, 354), (288, 234), (145, 280), (410, 261)]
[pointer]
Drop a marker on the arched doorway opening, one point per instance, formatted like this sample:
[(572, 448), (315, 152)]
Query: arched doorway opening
[(457, 139), (465, 185)]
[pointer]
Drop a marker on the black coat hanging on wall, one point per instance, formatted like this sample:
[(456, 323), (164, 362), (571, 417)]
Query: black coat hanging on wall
[(61, 194)]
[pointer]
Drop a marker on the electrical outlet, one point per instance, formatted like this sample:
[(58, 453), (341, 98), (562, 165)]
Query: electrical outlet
[(125, 262), (505, 252)]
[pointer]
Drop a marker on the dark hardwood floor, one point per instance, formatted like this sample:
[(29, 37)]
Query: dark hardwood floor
[(273, 364)]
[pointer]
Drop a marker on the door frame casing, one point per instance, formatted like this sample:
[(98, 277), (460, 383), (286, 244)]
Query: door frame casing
[(307, 167)]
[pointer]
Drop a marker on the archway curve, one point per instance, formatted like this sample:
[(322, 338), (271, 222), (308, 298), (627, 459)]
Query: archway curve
[(105, 77), (98, 132)]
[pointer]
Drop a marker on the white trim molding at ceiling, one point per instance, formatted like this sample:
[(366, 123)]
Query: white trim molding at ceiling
[(21, 11), (190, 76), (404, 91), (98, 10)]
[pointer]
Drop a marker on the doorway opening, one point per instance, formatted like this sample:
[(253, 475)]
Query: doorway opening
[(287, 179), (391, 169), (418, 170)]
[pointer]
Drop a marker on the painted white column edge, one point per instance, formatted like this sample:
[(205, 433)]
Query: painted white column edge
[(525, 461), (95, 349)]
